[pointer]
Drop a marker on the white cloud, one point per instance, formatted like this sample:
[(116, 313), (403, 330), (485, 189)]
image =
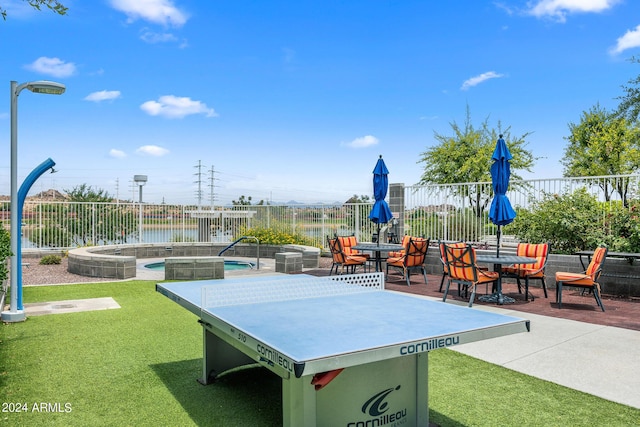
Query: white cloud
[(152, 150), (157, 11), (509, 10), (153, 37), (118, 154), (175, 107), (559, 9), (103, 95), (629, 40), (474, 81), (52, 66), (364, 141)]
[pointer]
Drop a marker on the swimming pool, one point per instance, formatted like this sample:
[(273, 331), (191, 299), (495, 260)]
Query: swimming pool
[(229, 265)]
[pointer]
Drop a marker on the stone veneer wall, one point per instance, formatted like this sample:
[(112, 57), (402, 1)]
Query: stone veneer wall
[(194, 268)]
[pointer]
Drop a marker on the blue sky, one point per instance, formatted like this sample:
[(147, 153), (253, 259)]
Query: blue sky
[(295, 100)]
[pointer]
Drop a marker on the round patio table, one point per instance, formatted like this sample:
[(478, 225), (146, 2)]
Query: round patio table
[(498, 262), (378, 249)]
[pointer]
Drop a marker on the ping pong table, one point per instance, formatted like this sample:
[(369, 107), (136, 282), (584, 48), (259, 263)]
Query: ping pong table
[(348, 351)]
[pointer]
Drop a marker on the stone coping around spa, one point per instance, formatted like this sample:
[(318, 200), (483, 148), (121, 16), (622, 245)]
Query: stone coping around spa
[(119, 261)]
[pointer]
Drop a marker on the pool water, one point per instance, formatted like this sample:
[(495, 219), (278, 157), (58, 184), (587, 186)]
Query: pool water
[(228, 265)]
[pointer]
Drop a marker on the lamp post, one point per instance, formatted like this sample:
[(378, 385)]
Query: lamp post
[(41, 86), (141, 180)]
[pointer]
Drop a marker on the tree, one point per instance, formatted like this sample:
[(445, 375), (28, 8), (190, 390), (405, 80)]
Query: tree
[(630, 103), (87, 222), (245, 201), (603, 144), (358, 199), (465, 157), (53, 5), (86, 193)]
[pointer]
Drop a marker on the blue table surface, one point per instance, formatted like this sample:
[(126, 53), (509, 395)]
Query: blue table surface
[(321, 327)]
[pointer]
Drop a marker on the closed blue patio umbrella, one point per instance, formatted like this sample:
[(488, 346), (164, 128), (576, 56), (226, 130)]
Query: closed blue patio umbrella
[(501, 213), (380, 212)]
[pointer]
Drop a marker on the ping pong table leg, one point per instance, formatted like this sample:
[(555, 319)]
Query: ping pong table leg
[(218, 357), (422, 389), (298, 402)]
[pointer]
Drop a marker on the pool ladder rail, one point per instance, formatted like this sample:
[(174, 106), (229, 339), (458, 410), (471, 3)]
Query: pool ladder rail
[(241, 239)]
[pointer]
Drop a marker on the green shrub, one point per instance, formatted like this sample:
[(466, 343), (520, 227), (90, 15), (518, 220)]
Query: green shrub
[(5, 252), (623, 227), (269, 236), (575, 221), (50, 260), (569, 222)]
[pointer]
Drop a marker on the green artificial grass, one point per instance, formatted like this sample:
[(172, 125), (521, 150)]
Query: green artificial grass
[(138, 365)]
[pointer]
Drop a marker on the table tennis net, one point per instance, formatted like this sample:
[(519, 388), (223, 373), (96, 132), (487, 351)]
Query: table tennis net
[(288, 288)]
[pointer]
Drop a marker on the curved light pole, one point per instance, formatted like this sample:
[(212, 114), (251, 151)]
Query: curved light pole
[(22, 196), (41, 86), (141, 180)]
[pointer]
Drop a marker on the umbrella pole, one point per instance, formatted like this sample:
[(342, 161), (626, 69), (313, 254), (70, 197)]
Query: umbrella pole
[(499, 232)]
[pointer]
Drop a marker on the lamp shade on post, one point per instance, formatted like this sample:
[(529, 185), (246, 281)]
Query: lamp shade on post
[(140, 180), (43, 86)]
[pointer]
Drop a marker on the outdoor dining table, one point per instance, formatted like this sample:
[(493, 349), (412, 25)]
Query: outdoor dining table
[(378, 248), (498, 262)]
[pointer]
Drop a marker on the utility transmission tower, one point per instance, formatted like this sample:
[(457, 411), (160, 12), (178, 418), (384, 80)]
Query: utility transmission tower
[(212, 186), (198, 181)]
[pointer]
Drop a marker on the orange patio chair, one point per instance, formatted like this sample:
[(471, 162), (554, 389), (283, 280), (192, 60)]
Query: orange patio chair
[(586, 280), (347, 243), (401, 252), (443, 260), (413, 259), (527, 272), (461, 263), (340, 259)]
